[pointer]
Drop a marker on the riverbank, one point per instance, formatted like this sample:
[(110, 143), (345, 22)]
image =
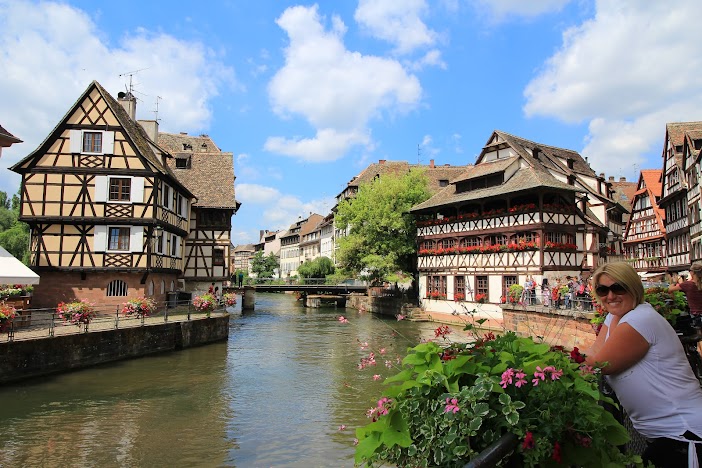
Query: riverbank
[(34, 353)]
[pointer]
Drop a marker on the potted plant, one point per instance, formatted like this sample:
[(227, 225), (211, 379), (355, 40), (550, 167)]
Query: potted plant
[(229, 299), (205, 303), (7, 315), (457, 297), (481, 298), (139, 307), (76, 312), (446, 405), (514, 293), (669, 305)]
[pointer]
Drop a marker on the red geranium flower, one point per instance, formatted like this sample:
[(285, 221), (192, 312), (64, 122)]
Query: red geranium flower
[(528, 441)]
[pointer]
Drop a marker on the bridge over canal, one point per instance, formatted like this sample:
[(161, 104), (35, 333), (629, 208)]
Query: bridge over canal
[(313, 294)]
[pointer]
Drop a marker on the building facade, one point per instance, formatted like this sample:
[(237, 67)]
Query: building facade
[(108, 217), (525, 210)]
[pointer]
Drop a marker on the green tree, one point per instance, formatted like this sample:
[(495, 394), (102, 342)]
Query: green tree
[(264, 266), (14, 234), (381, 241), (317, 268)]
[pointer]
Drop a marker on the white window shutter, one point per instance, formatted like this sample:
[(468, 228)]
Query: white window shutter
[(137, 190), (100, 238), (100, 188), (76, 141), (170, 199), (108, 142), (137, 239), (177, 241)]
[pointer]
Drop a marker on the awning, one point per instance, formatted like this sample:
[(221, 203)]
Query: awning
[(651, 274), (12, 271)]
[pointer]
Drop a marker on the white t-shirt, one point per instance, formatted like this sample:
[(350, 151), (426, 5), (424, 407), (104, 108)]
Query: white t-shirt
[(660, 393)]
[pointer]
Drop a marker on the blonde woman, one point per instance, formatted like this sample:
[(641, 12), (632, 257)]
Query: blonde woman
[(692, 288), (643, 360)]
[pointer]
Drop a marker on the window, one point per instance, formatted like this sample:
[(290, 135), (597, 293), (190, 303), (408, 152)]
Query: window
[(120, 189), (151, 288), (481, 286), (218, 257), (214, 219), (459, 288), (92, 142), (117, 288), (166, 201), (119, 238), (507, 281), (159, 243), (436, 287), (163, 287), (182, 163), (174, 245), (443, 183)]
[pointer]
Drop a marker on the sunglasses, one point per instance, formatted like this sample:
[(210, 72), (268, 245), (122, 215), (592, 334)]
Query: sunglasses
[(616, 288)]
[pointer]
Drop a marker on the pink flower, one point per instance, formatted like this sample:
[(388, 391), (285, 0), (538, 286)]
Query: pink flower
[(388, 364), (382, 351), (376, 377), (363, 345), (520, 379), (399, 317), (343, 319), (507, 377), (452, 406), (342, 427)]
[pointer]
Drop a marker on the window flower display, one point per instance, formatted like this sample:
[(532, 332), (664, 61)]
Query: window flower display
[(205, 303), (76, 312), (7, 315)]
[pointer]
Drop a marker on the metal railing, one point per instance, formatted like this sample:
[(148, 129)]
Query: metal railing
[(40, 323)]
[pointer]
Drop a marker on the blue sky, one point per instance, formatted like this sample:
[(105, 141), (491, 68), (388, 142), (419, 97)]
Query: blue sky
[(306, 95)]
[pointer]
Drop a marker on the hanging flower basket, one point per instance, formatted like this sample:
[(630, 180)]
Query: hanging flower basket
[(76, 312), (139, 307), (229, 299), (7, 315), (205, 304)]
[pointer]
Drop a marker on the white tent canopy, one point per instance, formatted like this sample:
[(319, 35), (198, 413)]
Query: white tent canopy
[(12, 271)]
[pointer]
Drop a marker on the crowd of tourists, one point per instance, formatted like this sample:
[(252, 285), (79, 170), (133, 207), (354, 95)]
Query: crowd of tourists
[(570, 292)]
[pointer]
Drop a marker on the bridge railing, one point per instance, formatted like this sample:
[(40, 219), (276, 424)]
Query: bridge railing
[(306, 281)]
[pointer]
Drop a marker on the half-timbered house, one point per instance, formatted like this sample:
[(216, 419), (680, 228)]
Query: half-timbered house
[(524, 210), (209, 173), (692, 152), (108, 217), (644, 238), (7, 139), (674, 196)]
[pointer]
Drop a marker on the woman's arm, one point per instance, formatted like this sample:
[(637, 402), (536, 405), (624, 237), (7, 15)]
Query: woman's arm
[(597, 345), (674, 287), (624, 348)]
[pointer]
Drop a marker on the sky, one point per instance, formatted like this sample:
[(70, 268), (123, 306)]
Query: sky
[(307, 95)]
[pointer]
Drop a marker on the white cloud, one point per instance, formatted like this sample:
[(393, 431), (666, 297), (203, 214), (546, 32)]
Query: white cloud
[(278, 210), (501, 9), (50, 52), (337, 91), (430, 59), (399, 23), (627, 71)]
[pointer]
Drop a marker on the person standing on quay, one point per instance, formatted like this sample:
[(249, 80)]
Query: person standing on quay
[(693, 292), (241, 279)]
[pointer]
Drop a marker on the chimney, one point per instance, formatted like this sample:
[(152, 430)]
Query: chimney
[(602, 174), (622, 179), (431, 163), (128, 101), (151, 128), (611, 178), (381, 161)]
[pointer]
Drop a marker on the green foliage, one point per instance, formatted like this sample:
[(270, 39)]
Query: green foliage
[(447, 405), (264, 266), (14, 234), (668, 304), (514, 294), (382, 232), (317, 268)]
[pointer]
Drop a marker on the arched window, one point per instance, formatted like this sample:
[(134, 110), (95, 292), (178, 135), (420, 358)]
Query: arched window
[(470, 241), (172, 286), (427, 245), (498, 239), (151, 288), (163, 287), (117, 288)]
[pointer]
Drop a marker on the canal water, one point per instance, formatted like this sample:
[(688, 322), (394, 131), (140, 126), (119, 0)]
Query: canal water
[(284, 390)]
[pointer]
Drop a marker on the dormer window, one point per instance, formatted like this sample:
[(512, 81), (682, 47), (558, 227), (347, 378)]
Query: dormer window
[(443, 183), (187, 146), (182, 163), (570, 163)]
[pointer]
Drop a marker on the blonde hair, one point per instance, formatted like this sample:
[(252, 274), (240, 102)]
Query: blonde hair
[(696, 268), (625, 275)]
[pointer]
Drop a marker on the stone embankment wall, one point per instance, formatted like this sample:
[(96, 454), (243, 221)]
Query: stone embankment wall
[(566, 328), (42, 356)]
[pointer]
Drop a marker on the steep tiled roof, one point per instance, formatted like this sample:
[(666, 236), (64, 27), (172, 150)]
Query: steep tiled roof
[(144, 146), (311, 224), (211, 173), (523, 180), (649, 184), (7, 138), (435, 174), (244, 248), (624, 192), (676, 134)]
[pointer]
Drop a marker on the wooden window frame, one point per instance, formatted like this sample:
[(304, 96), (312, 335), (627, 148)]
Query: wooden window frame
[(218, 257), (118, 236), (482, 285), (120, 189), (91, 142)]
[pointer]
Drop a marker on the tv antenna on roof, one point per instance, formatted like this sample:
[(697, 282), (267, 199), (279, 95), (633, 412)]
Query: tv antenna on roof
[(131, 74), (156, 111)]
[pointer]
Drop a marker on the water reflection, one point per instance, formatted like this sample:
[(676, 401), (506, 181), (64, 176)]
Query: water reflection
[(275, 394)]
